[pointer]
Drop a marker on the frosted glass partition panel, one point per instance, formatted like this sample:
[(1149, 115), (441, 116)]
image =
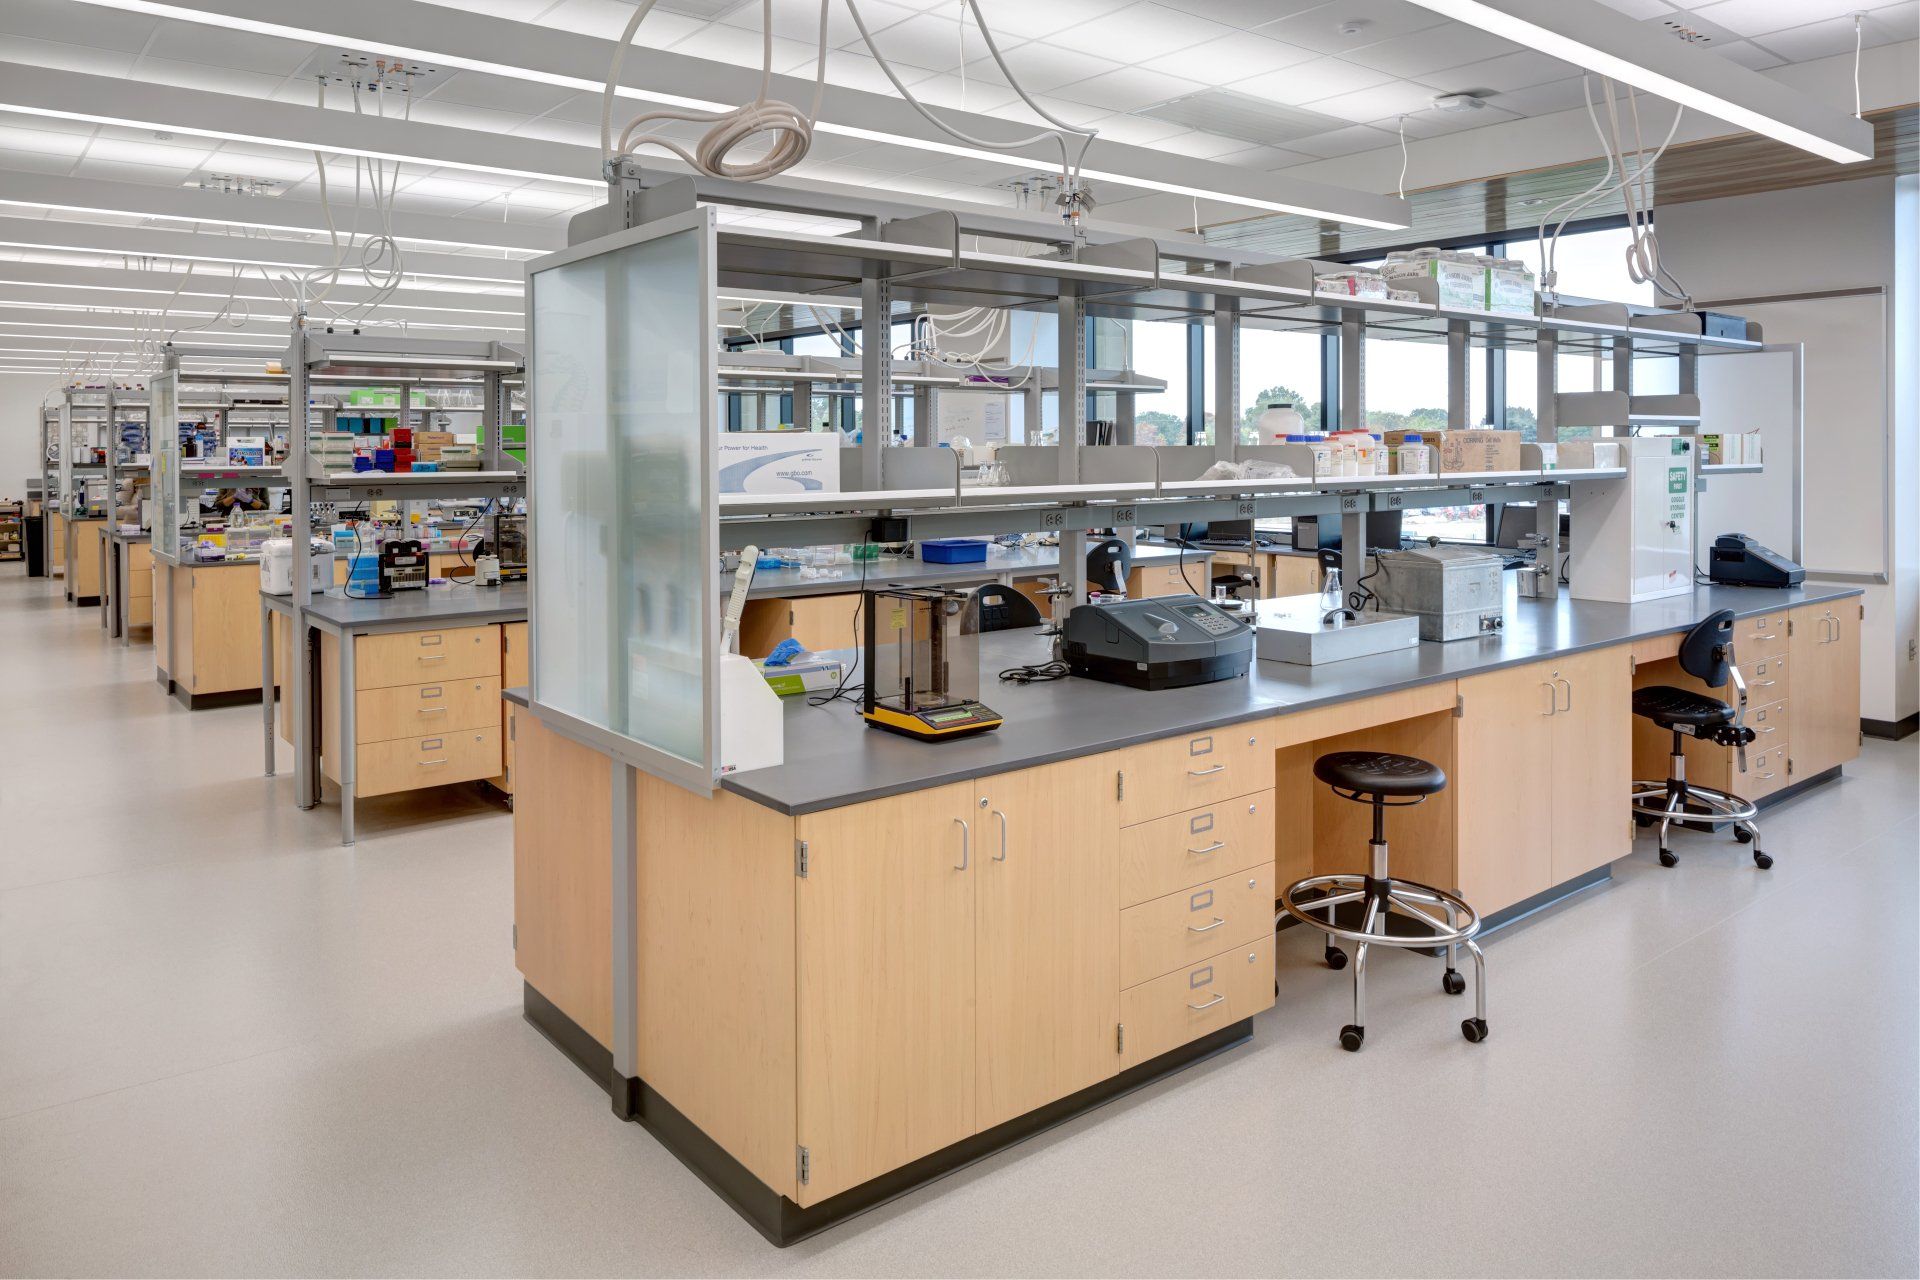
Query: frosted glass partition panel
[(625, 521), (163, 438)]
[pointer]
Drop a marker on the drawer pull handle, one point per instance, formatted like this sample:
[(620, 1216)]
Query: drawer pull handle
[(1767, 776), (1769, 637), (426, 763), (1218, 996), (1201, 773), (432, 657), (966, 844), (1207, 928), (1215, 847)]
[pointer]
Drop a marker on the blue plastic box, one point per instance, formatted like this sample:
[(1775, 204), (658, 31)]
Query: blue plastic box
[(954, 551)]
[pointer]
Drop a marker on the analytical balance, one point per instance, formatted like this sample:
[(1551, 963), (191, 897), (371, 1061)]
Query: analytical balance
[(923, 663)]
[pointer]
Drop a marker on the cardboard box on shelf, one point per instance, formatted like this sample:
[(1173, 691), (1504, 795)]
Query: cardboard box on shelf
[(1581, 455), (1479, 450), (428, 444)]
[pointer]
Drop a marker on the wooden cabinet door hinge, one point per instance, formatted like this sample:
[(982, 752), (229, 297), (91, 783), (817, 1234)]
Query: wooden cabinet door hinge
[(803, 1164), (1120, 784), (800, 858), (1119, 1037), (1789, 628), (1459, 706)]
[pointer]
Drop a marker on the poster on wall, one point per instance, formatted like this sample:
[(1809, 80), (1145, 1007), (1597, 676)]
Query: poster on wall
[(779, 462)]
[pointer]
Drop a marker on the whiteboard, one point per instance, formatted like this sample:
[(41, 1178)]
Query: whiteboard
[(1750, 391), (1843, 470)]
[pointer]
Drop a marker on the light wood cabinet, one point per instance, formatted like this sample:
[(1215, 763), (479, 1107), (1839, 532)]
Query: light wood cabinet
[(1149, 580), (1503, 743), (886, 984), (410, 657), (1592, 732), (1048, 954), (1544, 758), (817, 622), (407, 710), (1825, 650)]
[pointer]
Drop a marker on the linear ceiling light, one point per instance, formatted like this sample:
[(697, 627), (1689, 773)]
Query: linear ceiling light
[(312, 236), (370, 321), (505, 286), (582, 85), (245, 297), (1597, 39)]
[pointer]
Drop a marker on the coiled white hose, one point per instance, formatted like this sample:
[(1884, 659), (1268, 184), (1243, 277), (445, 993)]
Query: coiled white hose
[(787, 129)]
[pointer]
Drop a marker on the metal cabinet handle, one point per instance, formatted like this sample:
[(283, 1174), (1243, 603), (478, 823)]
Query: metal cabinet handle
[(1002, 855), (1201, 773), (1207, 928), (1218, 996), (966, 844), (1561, 680), (431, 657), (425, 763), (1772, 637), (432, 711), (1208, 848), (1553, 698)]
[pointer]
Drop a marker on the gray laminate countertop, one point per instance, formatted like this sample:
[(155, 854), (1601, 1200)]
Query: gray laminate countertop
[(461, 606), (834, 759)]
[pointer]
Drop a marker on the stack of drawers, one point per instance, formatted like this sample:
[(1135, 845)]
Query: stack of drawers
[(138, 584), (426, 708), (1760, 646), (1196, 887)]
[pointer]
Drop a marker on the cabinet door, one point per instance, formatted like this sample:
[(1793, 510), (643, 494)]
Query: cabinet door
[(1592, 761), (1826, 687), (1503, 756), (1047, 880), (884, 951)]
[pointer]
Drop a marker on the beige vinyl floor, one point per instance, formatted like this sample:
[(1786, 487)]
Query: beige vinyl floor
[(229, 1046)]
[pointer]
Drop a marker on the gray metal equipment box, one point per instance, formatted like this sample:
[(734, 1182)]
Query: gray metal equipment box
[(1291, 630), (1456, 591)]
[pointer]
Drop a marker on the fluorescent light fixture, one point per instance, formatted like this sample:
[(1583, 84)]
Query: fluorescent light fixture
[(580, 84), (172, 256), (246, 297), (11, 304), (1597, 39), (318, 237)]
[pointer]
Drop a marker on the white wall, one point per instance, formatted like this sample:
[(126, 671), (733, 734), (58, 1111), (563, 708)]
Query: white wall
[(1851, 235), (20, 398)]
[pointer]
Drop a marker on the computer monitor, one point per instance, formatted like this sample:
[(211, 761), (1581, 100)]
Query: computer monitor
[(1517, 521), (1313, 533)]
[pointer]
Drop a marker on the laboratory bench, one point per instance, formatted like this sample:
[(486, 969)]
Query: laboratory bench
[(818, 609), (127, 601), (407, 688), (206, 644), (835, 979), (81, 549)]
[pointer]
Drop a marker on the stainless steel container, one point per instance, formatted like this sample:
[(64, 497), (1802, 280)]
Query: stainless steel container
[(1457, 592)]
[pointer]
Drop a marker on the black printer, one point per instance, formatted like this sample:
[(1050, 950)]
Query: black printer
[(1739, 560)]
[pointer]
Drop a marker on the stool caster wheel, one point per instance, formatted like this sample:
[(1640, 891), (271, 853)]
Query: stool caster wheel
[(1336, 958), (1762, 860), (1351, 1036), (1452, 983), (1474, 1029), (1668, 858), (1743, 835)]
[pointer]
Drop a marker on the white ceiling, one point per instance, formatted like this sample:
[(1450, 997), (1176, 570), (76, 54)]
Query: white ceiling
[(1373, 66)]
